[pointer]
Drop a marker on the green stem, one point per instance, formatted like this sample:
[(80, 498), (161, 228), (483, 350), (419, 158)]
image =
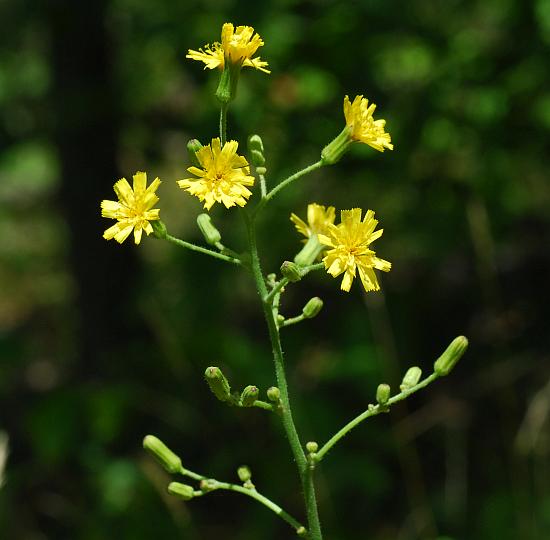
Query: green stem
[(291, 321), (223, 122), (285, 183), (373, 411), (276, 290), (199, 249), (252, 493), (263, 405), (314, 526)]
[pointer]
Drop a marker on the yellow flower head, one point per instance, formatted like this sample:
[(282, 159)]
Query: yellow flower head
[(238, 46), (318, 219), (223, 177), (349, 242), (133, 209), (363, 127)]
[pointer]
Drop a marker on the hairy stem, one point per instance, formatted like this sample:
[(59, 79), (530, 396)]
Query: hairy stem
[(314, 527), (199, 249), (223, 123), (372, 411)]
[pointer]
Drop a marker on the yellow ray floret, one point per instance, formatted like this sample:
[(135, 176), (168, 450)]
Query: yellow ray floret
[(349, 249), (133, 210), (318, 219), (363, 127), (238, 45), (223, 177)]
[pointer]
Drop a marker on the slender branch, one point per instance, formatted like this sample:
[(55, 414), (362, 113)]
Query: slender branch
[(291, 321), (373, 410), (193, 247), (249, 492), (276, 290), (223, 123), (285, 183), (263, 405), (263, 186)]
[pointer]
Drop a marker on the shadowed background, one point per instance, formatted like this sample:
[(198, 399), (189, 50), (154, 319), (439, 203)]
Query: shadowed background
[(101, 344)]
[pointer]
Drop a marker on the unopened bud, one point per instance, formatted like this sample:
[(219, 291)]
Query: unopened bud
[(255, 143), (183, 491), (312, 447), (244, 473), (312, 308), (208, 230), (383, 393), (249, 395), (301, 531), (291, 271), (159, 229), (218, 383), (273, 394), (447, 361), (192, 147), (257, 158), (411, 378), (162, 454)]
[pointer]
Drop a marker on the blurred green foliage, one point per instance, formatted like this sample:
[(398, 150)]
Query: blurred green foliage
[(464, 200)]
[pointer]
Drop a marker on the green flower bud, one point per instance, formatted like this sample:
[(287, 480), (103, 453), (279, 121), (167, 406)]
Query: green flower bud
[(312, 308), (273, 394), (333, 152), (255, 143), (301, 531), (244, 473), (257, 158), (249, 395), (291, 271), (218, 383), (383, 393), (411, 378), (312, 447), (183, 491), (159, 229), (447, 361), (208, 230), (192, 147), (162, 454)]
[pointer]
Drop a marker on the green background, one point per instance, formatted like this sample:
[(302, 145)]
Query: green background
[(101, 344)]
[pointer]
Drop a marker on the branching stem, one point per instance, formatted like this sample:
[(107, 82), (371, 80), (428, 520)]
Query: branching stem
[(199, 249)]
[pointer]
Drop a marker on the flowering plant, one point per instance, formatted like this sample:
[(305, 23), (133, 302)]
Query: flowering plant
[(223, 175)]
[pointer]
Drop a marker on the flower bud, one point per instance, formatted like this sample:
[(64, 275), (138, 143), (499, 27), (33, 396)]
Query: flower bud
[(312, 308), (333, 152), (249, 395), (447, 361), (162, 454), (257, 159), (383, 393), (208, 230), (301, 531), (159, 229), (255, 143), (273, 394), (183, 491), (291, 271), (192, 147), (244, 473), (411, 378), (218, 383), (312, 447)]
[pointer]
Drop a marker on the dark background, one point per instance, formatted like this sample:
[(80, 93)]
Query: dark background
[(101, 344)]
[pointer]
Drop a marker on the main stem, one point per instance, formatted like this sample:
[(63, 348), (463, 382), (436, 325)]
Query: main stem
[(306, 473)]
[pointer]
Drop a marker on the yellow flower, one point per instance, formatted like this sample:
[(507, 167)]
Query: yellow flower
[(318, 219), (350, 251), (133, 209), (223, 177), (238, 45), (363, 127)]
